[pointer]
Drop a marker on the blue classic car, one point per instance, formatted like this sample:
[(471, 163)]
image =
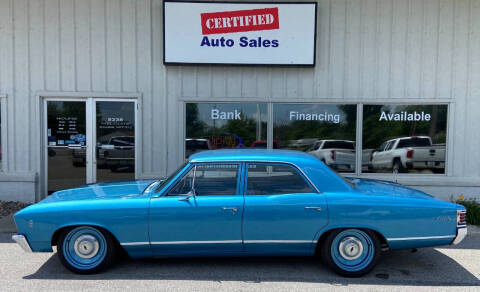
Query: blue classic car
[(240, 203)]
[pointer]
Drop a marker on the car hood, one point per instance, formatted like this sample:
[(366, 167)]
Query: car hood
[(387, 188), (119, 189)]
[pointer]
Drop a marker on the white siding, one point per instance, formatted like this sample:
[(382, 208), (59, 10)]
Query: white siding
[(367, 50)]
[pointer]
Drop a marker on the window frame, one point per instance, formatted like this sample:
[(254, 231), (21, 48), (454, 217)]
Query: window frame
[(193, 165), (408, 177), (291, 165), (404, 178), (3, 136)]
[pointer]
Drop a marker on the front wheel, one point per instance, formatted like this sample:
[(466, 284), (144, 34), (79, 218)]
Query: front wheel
[(351, 252), (85, 249)]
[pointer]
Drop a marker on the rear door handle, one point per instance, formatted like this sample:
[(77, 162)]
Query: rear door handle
[(233, 209), (314, 208)]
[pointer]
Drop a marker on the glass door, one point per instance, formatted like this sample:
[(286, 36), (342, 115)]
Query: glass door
[(88, 140), (115, 140), (66, 144)]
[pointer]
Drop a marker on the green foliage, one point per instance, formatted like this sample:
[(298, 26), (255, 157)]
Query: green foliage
[(473, 211)]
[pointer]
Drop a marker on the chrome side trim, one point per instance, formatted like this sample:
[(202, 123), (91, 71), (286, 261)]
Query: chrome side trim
[(420, 238), (212, 242), (196, 242), (22, 241), (134, 243), (278, 241), (461, 234)]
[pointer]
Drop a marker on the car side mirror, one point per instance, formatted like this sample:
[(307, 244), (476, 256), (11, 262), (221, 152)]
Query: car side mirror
[(187, 196)]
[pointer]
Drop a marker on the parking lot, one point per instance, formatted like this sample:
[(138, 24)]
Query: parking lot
[(430, 268)]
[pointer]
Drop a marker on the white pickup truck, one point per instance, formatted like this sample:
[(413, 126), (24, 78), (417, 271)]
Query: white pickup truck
[(409, 153), (338, 154)]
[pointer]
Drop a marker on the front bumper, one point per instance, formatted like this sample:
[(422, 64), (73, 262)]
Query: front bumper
[(461, 233), (22, 241)]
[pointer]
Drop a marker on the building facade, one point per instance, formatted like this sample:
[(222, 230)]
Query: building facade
[(86, 97)]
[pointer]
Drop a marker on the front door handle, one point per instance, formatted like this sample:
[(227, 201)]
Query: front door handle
[(314, 208), (233, 209)]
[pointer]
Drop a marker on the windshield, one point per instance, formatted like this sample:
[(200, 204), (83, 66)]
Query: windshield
[(171, 177)]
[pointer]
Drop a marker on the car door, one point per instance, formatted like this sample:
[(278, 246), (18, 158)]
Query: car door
[(380, 157), (283, 210), (201, 214), (388, 155)]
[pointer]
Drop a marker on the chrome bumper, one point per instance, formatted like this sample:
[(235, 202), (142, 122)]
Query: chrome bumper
[(461, 233), (22, 241)]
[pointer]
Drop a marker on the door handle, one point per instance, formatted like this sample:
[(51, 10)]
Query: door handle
[(314, 208), (233, 209)]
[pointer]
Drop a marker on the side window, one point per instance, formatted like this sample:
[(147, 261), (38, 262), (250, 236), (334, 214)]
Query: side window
[(184, 186), (390, 145), (265, 179), (208, 180)]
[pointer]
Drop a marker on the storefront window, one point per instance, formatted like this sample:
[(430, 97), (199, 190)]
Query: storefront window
[(1, 153), (324, 130), (225, 125), (404, 138)]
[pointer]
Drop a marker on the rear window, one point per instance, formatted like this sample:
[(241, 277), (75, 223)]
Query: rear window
[(275, 179), (414, 142), (339, 145)]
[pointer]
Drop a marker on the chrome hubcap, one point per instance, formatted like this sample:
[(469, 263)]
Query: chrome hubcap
[(350, 248), (86, 246)]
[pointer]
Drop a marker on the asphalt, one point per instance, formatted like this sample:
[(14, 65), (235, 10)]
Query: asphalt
[(443, 268)]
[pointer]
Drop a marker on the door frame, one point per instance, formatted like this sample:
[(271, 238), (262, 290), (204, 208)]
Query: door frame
[(89, 98)]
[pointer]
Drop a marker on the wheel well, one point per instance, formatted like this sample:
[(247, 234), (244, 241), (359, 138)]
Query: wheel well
[(383, 240), (57, 233)]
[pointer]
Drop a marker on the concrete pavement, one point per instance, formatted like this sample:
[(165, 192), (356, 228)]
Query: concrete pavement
[(443, 268)]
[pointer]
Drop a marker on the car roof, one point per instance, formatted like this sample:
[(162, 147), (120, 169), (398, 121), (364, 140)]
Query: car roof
[(335, 140), (408, 138), (252, 154)]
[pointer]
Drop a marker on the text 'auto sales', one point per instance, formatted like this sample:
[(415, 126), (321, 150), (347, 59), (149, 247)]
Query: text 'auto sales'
[(239, 21)]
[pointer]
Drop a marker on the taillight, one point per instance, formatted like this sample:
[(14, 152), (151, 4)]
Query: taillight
[(410, 153), (461, 218), (333, 154)]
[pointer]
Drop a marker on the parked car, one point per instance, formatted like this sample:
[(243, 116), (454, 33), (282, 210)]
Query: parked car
[(338, 154), (240, 202), (117, 154), (407, 153), (194, 145), (367, 156), (79, 155), (301, 144), (263, 144)]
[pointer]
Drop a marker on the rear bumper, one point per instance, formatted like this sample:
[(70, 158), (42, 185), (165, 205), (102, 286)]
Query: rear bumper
[(461, 233), (426, 165), (22, 241)]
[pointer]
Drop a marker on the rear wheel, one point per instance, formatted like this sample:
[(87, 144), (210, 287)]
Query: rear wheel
[(85, 249), (398, 167), (351, 252)]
